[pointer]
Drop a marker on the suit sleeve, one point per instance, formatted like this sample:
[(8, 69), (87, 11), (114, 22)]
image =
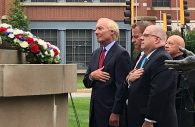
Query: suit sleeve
[(87, 81), (163, 89), (122, 68)]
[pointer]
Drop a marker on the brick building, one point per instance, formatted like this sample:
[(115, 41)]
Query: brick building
[(70, 24)]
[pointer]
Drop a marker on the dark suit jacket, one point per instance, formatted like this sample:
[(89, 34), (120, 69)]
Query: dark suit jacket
[(107, 98), (135, 61), (152, 96)]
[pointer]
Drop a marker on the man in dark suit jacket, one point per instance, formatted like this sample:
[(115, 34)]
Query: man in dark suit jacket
[(137, 31), (151, 100), (107, 97)]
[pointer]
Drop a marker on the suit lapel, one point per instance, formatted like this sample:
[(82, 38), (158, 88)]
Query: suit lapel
[(153, 55), (110, 53)]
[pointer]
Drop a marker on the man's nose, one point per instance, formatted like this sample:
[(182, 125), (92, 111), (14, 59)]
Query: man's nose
[(142, 38)]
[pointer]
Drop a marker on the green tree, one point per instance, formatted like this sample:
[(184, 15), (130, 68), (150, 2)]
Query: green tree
[(17, 17), (190, 40)]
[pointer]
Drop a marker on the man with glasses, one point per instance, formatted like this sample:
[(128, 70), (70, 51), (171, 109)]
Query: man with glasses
[(151, 99), (137, 31)]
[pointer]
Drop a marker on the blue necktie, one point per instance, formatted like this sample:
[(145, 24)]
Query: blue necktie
[(141, 62)]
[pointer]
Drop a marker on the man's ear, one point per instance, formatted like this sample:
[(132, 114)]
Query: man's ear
[(112, 31), (157, 40)]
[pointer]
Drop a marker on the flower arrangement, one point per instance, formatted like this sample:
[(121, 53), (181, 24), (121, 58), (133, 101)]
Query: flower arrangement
[(37, 50)]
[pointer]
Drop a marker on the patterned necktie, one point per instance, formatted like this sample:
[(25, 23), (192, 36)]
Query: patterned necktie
[(141, 62), (101, 59)]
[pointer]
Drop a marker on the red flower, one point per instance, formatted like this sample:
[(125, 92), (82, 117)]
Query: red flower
[(3, 29), (34, 48), (48, 45), (55, 52), (29, 40), (18, 36)]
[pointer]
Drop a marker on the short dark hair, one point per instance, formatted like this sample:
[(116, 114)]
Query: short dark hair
[(141, 24)]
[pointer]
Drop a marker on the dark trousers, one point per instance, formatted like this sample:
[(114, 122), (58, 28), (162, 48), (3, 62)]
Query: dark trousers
[(123, 118)]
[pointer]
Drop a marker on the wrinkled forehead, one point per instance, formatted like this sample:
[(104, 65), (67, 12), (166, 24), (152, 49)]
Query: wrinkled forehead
[(151, 31), (102, 22)]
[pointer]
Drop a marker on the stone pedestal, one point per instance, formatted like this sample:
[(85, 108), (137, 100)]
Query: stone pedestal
[(34, 111), (35, 95), (11, 57)]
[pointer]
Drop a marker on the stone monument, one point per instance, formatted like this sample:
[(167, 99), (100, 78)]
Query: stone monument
[(34, 95)]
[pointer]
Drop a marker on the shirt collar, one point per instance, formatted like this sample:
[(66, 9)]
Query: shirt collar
[(150, 54), (108, 47)]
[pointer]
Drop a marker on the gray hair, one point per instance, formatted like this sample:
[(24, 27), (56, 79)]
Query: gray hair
[(142, 25)]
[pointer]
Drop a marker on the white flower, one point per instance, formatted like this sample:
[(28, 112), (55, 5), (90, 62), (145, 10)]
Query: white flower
[(17, 31), (5, 25), (46, 53), (19, 39), (11, 35), (24, 44), (16, 40), (42, 43), (10, 30), (29, 34), (51, 53), (35, 39)]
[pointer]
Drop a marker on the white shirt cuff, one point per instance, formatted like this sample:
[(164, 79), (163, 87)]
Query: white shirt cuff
[(90, 78), (151, 121), (128, 82)]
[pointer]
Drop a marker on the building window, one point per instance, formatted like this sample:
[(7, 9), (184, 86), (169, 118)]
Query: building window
[(43, 0), (78, 47), (161, 3), (78, 0), (113, 1), (47, 35), (122, 38)]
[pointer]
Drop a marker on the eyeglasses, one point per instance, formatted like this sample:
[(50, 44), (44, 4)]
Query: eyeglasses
[(150, 35)]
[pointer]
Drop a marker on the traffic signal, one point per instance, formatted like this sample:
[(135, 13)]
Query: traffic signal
[(184, 12), (129, 12), (167, 22)]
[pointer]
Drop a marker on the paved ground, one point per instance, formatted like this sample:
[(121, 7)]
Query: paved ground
[(82, 93)]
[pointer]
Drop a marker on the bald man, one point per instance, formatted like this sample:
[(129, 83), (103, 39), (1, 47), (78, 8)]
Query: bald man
[(185, 118), (172, 46)]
